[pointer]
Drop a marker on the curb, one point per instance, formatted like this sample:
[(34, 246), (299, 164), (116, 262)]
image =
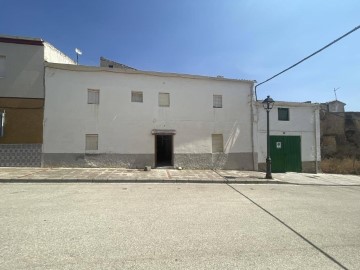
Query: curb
[(131, 181)]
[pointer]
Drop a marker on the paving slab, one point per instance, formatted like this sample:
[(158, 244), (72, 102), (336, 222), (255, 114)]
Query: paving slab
[(318, 179), (127, 175), (114, 175)]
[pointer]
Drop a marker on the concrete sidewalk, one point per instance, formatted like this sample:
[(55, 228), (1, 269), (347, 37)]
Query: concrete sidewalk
[(54, 175), (121, 175)]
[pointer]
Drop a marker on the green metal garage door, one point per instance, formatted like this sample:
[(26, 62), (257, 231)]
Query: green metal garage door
[(285, 152)]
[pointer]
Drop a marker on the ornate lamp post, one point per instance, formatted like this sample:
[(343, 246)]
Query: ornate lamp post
[(268, 104)]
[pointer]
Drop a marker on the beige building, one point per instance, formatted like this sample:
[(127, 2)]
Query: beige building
[(22, 98)]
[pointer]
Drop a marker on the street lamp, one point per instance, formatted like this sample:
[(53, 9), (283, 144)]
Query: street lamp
[(268, 104)]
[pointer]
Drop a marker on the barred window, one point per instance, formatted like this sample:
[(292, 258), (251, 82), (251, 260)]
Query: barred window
[(217, 101), (93, 96), (283, 114), (136, 96)]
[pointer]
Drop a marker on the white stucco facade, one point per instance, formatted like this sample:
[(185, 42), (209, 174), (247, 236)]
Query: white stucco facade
[(125, 128), (53, 55), (126, 131), (303, 121)]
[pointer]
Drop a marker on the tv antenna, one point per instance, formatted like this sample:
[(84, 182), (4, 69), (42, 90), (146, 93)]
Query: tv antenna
[(335, 89), (78, 52)]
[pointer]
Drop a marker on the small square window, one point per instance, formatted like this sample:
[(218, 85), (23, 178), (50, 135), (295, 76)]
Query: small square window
[(93, 96), (91, 142), (111, 66), (217, 101), (283, 114), (136, 96), (217, 143), (2, 66), (164, 99)]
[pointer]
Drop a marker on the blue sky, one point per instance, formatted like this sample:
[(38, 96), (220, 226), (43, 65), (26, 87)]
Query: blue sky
[(242, 39)]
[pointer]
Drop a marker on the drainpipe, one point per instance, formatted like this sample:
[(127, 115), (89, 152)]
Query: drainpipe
[(256, 93), (255, 165)]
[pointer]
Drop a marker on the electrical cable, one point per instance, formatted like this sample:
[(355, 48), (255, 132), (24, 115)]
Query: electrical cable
[(304, 59)]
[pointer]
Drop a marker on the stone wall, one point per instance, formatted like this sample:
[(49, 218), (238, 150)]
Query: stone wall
[(340, 134)]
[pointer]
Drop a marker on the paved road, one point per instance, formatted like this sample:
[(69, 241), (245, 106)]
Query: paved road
[(179, 226)]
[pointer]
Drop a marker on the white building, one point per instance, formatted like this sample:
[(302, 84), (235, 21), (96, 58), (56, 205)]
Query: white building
[(294, 136), (115, 117), (110, 117)]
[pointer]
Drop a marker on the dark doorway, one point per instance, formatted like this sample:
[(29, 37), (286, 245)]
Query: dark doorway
[(164, 150)]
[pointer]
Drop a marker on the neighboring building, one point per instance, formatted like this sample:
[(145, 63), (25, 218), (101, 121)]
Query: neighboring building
[(116, 117), (22, 98), (294, 137), (334, 106), (112, 64), (340, 131)]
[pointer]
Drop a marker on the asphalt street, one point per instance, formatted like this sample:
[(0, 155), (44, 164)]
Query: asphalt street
[(179, 226)]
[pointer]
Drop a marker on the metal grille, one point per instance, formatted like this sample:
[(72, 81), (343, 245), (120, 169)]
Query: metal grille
[(93, 96), (283, 114), (217, 101), (136, 96)]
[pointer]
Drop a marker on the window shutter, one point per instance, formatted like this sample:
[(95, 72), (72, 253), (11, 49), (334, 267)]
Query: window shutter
[(164, 99), (217, 143), (2, 66), (91, 142)]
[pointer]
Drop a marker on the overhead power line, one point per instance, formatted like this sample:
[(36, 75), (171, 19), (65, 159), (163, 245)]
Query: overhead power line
[(304, 59)]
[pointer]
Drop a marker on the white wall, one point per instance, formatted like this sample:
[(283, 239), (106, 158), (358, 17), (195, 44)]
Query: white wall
[(53, 55), (125, 127), (304, 121), (24, 71)]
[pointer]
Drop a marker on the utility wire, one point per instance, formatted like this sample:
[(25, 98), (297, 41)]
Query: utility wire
[(311, 55)]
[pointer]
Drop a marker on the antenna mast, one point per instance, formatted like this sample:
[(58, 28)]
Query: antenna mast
[(335, 92), (78, 52)]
